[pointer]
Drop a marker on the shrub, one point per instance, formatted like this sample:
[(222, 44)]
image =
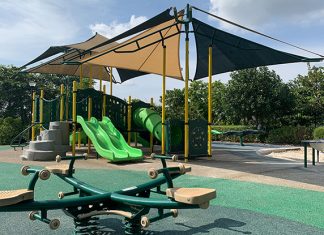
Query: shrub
[(319, 133), (289, 135), (9, 128), (247, 138)]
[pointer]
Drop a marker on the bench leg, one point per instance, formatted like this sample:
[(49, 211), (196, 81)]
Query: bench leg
[(313, 156)]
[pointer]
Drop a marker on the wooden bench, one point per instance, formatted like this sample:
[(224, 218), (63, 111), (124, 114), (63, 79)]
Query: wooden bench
[(12, 197), (195, 196)]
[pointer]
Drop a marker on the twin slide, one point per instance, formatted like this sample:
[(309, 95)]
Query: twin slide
[(110, 143)]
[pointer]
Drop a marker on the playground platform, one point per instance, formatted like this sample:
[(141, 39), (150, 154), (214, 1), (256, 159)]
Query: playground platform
[(271, 194)]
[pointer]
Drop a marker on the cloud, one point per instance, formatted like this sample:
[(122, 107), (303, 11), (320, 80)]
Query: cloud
[(115, 28), (265, 13), (27, 26)]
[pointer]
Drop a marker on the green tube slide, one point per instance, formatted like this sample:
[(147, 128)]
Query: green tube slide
[(150, 120), (108, 141)]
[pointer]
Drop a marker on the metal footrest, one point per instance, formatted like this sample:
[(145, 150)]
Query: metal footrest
[(195, 196), (59, 169), (12, 197)]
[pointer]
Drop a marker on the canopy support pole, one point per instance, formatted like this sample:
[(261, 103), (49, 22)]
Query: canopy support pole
[(110, 78), (186, 113), (151, 134), (90, 77), (100, 79), (33, 116), (81, 79), (74, 116), (61, 102), (41, 109), (129, 119), (210, 72), (90, 107), (104, 101), (186, 117), (163, 101)]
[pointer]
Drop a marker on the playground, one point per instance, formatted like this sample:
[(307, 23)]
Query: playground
[(90, 162), (256, 195)]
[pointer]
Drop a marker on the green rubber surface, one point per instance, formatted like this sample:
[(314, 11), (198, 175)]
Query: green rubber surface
[(240, 207), (4, 147), (108, 142)]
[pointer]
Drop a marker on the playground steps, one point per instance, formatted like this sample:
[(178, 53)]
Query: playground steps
[(195, 196), (49, 143), (59, 169), (37, 155), (12, 197)]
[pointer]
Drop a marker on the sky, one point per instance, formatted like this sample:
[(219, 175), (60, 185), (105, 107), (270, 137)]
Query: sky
[(29, 27)]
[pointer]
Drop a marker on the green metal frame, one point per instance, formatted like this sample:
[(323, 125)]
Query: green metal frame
[(134, 200)]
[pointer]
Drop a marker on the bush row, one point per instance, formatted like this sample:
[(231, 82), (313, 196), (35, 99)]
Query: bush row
[(283, 135), (9, 128)]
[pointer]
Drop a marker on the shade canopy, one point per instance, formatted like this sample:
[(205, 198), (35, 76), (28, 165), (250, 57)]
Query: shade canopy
[(144, 52), (75, 51), (56, 66), (232, 53)]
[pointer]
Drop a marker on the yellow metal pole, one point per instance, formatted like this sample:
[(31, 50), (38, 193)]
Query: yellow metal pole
[(100, 77), (90, 107), (210, 57), (151, 134), (111, 83), (186, 140), (33, 116), (41, 109), (89, 117), (74, 116), (90, 76), (61, 102), (81, 79), (67, 105), (79, 138), (104, 102), (163, 101), (129, 119)]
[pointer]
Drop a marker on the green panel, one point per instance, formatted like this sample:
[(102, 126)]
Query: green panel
[(175, 136), (82, 102), (198, 141), (116, 110)]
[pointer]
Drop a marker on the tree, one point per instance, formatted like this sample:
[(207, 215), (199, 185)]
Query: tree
[(198, 100), (15, 92), (309, 95), (218, 103), (174, 103), (257, 96)]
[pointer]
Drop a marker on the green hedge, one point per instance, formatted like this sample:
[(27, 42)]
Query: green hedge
[(319, 133), (9, 128), (247, 138), (289, 135)]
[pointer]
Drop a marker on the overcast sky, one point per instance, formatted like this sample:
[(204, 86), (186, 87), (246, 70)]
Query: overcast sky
[(29, 27)]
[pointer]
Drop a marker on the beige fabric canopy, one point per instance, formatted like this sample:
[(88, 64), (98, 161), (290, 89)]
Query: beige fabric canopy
[(149, 58), (56, 66)]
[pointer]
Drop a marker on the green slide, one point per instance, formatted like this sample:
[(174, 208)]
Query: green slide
[(108, 142), (149, 119)]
